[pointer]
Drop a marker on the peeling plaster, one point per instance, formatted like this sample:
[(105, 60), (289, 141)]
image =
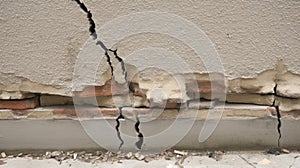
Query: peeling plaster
[(250, 38)]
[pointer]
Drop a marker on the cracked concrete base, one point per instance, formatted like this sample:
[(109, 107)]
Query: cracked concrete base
[(234, 132)]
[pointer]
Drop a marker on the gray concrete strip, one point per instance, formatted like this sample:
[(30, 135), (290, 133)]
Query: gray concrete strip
[(232, 134), (241, 127)]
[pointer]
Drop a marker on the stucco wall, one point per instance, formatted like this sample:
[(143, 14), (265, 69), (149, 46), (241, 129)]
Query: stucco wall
[(40, 40)]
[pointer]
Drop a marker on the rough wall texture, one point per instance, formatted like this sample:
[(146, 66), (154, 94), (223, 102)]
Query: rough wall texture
[(258, 42)]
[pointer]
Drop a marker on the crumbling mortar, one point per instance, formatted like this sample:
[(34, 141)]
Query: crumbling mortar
[(124, 72)]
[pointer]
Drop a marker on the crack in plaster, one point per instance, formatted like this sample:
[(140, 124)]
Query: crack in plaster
[(89, 16), (124, 72), (93, 33), (109, 63)]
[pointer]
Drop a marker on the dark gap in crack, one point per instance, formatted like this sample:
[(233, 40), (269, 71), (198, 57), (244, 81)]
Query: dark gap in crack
[(278, 115), (281, 96), (140, 141), (241, 103), (90, 18), (93, 31), (102, 45), (108, 60), (109, 63), (39, 99), (124, 72), (118, 126)]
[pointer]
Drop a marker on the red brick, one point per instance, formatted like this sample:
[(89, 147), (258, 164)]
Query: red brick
[(110, 88), (19, 104), (173, 105)]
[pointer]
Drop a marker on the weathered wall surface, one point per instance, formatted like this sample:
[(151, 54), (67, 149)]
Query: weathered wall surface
[(258, 42)]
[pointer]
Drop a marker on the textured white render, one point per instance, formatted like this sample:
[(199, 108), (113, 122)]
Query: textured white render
[(40, 40)]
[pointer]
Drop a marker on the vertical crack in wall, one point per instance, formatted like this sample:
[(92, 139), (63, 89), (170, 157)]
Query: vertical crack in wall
[(93, 33), (140, 141), (120, 117), (275, 104)]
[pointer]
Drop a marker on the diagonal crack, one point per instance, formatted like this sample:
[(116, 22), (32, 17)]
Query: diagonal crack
[(90, 18), (140, 141), (93, 33)]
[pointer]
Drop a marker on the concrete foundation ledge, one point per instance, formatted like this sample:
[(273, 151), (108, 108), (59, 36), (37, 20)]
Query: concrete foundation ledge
[(61, 128)]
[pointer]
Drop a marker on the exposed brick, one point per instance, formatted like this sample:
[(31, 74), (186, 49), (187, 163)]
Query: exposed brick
[(50, 100), (110, 88), (19, 104), (204, 87), (173, 105)]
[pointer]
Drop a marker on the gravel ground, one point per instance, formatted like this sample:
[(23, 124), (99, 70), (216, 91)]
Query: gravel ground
[(170, 159)]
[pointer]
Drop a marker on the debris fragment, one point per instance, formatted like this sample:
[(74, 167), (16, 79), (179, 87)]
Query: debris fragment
[(48, 155), (75, 156), (274, 151), (148, 159), (285, 151), (3, 154), (180, 152), (217, 155), (139, 156), (129, 155), (56, 153)]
